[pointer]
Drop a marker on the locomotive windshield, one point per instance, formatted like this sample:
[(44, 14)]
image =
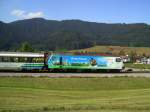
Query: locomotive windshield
[(55, 60)]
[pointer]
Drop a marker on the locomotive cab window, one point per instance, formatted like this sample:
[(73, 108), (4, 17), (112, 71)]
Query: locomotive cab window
[(118, 59)]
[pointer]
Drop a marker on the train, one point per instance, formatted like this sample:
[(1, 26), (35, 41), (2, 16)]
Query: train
[(26, 61)]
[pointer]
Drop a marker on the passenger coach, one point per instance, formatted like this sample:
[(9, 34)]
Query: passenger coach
[(21, 61)]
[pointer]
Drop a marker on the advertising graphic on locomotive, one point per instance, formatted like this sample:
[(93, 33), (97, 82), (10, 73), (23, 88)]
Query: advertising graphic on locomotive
[(43, 61)]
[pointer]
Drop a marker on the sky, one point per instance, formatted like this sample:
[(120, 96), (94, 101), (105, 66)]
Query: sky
[(103, 11)]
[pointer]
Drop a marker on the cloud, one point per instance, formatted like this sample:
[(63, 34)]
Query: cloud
[(18, 12), (26, 15), (34, 14)]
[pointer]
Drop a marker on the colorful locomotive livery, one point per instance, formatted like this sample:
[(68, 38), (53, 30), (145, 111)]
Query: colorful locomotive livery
[(84, 62), (42, 61)]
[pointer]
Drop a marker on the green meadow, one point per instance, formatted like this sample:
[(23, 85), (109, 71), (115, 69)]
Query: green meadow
[(43, 94)]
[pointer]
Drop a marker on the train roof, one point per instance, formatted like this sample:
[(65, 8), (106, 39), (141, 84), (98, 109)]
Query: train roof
[(21, 54), (85, 55)]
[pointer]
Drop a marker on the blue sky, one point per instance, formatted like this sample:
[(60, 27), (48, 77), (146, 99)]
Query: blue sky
[(106, 11)]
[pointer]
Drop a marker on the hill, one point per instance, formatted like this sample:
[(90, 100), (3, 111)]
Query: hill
[(45, 34), (116, 50)]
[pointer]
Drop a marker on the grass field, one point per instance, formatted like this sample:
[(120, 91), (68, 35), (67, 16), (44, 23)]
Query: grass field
[(117, 49), (138, 66), (117, 94)]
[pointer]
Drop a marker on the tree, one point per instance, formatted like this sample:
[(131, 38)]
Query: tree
[(122, 52), (144, 55), (133, 56), (26, 47)]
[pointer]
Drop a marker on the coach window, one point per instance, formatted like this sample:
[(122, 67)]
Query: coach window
[(38, 60), (16, 59), (12, 59), (1, 59), (27, 60), (21, 59), (6, 59)]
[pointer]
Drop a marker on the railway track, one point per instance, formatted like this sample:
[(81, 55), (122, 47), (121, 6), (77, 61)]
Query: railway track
[(62, 74)]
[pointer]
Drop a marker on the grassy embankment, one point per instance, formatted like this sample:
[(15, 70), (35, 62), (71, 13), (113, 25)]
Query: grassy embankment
[(117, 49), (118, 94), (138, 66)]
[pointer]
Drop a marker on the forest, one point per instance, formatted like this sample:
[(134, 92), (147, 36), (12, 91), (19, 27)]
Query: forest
[(53, 35)]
